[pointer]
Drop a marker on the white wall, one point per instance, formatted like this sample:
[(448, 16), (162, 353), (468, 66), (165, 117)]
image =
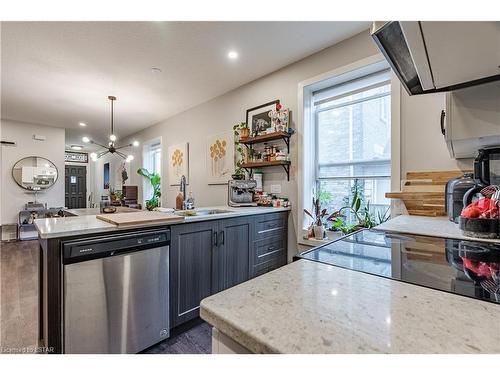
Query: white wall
[(422, 146), (13, 197)]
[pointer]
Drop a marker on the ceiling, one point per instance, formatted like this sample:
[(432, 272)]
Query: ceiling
[(61, 73)]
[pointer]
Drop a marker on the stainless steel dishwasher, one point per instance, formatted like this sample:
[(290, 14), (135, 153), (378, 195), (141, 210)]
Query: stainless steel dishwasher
[(115, 292)]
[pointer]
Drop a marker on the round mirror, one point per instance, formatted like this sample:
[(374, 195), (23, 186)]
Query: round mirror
[(35, 173)]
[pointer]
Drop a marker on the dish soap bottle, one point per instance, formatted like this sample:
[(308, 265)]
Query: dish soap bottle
[(190, 201), (179, 201)]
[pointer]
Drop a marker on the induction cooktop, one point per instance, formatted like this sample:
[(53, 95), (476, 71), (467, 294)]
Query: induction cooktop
[(467, 268)]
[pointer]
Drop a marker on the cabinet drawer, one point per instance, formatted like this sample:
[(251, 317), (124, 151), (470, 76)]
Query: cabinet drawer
[(271, 248), (270, 225), (268, 266)]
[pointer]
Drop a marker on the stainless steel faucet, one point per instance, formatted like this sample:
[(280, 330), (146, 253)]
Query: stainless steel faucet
[(183, 191)]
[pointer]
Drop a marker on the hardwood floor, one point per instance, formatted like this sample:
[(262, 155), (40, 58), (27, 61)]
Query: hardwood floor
[(18, 295), (19, 307)]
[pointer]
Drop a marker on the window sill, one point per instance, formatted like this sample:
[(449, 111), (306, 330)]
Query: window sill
[(331, 236)]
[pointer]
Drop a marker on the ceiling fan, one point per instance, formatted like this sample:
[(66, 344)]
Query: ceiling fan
[(111, 147)]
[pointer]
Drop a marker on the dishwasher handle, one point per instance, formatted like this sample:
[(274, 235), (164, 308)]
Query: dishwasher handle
[(105, 246)]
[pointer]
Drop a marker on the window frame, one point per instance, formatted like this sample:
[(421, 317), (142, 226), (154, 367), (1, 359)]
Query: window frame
[(148, 162), (306, 166), (317, 112)]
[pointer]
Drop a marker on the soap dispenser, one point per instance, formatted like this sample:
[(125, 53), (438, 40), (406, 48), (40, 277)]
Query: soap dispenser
[(190, 201)]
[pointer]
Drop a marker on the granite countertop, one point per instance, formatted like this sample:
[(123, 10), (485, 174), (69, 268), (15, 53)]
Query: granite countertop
[(427, 226), (309, 307), (89, 224)]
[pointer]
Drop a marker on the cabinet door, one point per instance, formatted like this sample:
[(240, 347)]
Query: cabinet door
[(191, 253), (232, 256)]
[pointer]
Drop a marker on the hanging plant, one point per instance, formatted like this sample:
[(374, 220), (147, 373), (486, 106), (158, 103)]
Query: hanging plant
[(240, 130)]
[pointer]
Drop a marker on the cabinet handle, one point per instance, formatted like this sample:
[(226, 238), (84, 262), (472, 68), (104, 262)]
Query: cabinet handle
[(222, 237), (215, 238), (443, 115)]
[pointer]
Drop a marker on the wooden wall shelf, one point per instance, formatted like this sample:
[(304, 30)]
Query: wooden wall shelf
[(250, 141), (263, 164), (266, 138)]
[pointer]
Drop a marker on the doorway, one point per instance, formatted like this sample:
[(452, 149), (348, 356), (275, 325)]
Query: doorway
[(75, 186)]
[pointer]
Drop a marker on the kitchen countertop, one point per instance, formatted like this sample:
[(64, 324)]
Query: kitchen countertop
[(427, 226), (309, 307), (97, 210), (89, 224)]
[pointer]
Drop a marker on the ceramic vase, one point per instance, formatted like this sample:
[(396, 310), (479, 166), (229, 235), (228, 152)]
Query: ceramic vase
[(319, 232)]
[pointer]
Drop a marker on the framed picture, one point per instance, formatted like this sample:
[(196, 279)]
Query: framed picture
[(178, 163), (220, 158), (258, 118)]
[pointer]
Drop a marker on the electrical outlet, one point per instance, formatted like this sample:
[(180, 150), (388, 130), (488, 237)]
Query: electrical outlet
[(275, 189)]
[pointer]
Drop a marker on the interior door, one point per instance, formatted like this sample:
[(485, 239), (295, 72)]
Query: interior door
[(75, 186)]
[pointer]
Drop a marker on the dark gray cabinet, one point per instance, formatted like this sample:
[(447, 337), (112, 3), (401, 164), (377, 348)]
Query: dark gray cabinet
[(233, 252), (191, 260), (208, 257), (269, 249)]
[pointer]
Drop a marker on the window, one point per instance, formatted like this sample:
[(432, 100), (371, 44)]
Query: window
[(152, 162), (352, 129)]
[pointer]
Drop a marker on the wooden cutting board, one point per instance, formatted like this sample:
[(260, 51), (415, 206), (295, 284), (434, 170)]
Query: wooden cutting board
[(139, 218), (423, 193)]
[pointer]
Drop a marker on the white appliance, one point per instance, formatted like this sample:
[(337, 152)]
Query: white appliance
[(441, 55), (471, 119)]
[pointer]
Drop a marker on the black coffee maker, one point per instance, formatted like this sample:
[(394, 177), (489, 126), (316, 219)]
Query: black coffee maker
[(486, 172)]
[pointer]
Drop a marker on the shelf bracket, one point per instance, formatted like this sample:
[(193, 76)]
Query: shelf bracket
[(286, 167), (287, 141)]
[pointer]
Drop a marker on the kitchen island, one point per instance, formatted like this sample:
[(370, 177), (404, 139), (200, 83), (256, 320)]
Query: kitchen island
[(309, 307), (365, 294), (215, 249)]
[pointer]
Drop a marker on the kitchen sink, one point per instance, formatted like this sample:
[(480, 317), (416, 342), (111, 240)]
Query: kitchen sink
[(188, 213)]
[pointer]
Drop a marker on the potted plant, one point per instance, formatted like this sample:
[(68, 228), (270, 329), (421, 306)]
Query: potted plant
[(239, 173), (241, 130), (363, 214), (319, 214), (154, 179)]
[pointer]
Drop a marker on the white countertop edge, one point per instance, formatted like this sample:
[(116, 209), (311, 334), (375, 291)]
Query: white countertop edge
[(242, 332), (89, 224)]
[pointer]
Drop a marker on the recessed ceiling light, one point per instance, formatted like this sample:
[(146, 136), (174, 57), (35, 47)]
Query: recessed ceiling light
[(86, 139), (233, 55), (76, 147), (135, 143), (82, 124), (155, 70)]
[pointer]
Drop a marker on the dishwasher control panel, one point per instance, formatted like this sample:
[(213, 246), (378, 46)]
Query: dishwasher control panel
[(101, 247)]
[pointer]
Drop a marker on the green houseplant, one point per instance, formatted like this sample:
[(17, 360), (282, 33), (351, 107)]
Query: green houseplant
[(241, 131), (362, 213), (318, 214), (155, 180)]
